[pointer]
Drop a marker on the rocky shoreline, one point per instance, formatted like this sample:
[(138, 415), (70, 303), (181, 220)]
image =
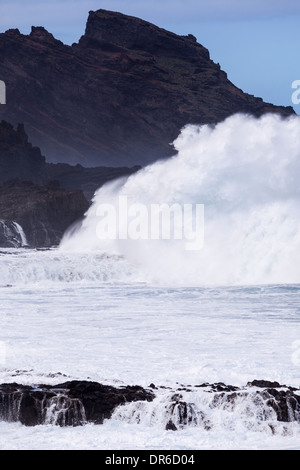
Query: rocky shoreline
[(67, 404), (75, 403)]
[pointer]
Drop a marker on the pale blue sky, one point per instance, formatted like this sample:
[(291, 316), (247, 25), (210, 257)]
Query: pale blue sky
[(255, 41)]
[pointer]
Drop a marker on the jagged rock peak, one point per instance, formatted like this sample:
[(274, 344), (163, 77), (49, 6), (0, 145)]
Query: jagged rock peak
[(40, 34), (134, 33), (13, 32), (120, 95), (9, 138)]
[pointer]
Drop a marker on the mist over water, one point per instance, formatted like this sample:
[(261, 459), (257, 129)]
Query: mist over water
[(246, 173)]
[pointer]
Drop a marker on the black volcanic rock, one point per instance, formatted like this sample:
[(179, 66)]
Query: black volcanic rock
[(68, 404), (120, 95), (44, 212), (263, 384), (100, 401), (106, 27), (78, 402)]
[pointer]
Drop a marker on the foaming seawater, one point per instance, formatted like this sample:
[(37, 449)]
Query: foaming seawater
[(37, 267), (245, 173), (212, 411)]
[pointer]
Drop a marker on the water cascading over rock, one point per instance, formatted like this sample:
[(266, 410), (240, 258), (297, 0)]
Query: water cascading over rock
[(12, 235)]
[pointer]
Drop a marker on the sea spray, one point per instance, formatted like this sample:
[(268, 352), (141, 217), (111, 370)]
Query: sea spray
[(210, 411), (244, 171)]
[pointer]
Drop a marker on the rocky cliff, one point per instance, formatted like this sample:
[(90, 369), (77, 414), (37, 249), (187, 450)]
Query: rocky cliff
[(120, 95), (39, 200), (20, 159), (43, 211)]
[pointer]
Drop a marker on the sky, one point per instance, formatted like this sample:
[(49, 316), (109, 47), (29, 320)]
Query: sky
[(256, 42)]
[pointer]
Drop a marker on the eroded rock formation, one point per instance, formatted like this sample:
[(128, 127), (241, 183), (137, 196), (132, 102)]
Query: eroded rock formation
[(76, 402), (120, 95)]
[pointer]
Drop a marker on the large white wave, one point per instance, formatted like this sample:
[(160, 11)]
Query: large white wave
[(245, 171)]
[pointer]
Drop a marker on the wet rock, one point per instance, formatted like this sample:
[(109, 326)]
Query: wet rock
[(263, 384), (221, 387), (44, 212), (170, 426), (67, 404), (286, 404), (99, 400), (153, 386), (74, 403), (183, 413)]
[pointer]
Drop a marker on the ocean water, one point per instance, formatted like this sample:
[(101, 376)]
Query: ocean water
[(59, 324), (122, 311)]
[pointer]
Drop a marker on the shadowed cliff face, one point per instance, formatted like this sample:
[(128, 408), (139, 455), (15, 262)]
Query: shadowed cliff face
[(19, 159), (32, 213), (44, 212), (34, 209), (119, 96)]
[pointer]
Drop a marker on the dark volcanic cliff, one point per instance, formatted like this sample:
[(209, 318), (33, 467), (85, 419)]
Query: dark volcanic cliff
[(19, 159), (119, 96), (44, 199), (44, 212)]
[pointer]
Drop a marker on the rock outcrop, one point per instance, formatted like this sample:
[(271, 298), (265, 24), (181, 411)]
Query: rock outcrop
[(43, 211), (68, 404), (20, 159), (120, 95), (40, 200), (76, 402)]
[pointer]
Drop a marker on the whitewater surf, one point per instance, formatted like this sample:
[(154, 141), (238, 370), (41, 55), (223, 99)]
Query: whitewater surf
[(123, 311), (244, 173)]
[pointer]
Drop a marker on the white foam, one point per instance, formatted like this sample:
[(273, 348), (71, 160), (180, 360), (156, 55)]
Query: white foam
[(39, 267), (245, 171)]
